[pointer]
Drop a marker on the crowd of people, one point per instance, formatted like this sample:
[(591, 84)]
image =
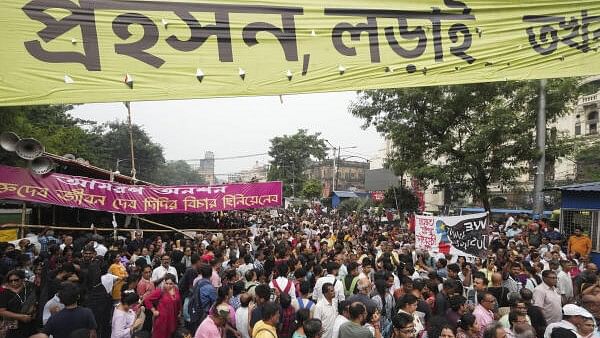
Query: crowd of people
[(296, 274)]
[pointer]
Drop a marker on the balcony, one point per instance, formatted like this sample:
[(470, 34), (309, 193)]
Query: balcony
[(589, 99)]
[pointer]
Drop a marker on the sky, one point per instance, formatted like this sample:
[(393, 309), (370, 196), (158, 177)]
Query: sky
[(241, 126)]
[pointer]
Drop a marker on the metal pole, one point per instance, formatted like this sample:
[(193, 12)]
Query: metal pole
[(541, 144), (337, 164), (333, 172), (22, 230), (128, 105)]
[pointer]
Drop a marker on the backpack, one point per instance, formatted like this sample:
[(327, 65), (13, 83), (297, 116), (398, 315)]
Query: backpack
[(287, 288), (349, 289), (302, 306), (203, 298)]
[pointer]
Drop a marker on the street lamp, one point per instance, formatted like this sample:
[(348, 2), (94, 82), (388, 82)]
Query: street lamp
[(119, 160)]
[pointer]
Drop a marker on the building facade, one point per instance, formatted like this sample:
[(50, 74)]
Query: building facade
[(349, 175), (258, 173), (206, 167)]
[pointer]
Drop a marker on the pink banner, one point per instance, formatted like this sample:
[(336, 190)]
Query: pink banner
[(88, 193)]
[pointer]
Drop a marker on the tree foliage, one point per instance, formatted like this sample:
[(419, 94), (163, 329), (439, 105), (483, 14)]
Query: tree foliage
[(402, 199), (54, 128), (465, 136), (178, 173), (588, 163), (351, 205), (312, 189), (292, 155), (148, 155), (101, 145)]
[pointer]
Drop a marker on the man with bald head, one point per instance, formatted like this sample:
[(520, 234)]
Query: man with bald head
[(499, 291), (364, 295)]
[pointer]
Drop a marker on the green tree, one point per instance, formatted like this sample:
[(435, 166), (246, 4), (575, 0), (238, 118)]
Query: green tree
[(465, 136), (53, 127), (312, 189), (588, 163), (402, 198), (149, 158), (358, 205), (178, 173), (292, 155)]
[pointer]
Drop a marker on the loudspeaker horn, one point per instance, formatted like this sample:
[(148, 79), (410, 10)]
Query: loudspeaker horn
[(8, 141), (42, 165), (29, 148)]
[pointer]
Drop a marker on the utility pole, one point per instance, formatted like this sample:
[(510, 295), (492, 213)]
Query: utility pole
[(337, 167), (541, 145), (128, 105), (336, 162)]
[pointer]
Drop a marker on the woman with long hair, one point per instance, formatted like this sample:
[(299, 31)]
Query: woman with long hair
[(224, 294), (17, 305), (301, 316), (165, 304), (385, 304)]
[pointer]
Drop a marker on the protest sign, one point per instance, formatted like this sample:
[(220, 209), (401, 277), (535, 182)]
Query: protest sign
[(457, 235)]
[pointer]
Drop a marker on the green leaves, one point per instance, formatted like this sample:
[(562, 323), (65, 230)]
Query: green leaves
[(465, 136), (101, 145), (291, 156)]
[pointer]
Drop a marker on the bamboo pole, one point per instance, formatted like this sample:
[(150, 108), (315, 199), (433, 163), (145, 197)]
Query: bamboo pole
[(37, 226)]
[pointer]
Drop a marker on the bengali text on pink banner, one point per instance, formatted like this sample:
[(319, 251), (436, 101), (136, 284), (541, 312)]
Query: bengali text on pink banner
[(87, 193)]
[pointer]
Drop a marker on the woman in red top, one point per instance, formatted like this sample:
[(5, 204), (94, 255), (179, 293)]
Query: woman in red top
[(165, 304)]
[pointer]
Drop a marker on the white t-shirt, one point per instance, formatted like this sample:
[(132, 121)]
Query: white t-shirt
[(54, 301), (339, 320), (241, 321), (160, 272)]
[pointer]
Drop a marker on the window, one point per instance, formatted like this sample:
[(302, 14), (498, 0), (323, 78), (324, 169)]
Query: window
[(578, 129), (592, 120)]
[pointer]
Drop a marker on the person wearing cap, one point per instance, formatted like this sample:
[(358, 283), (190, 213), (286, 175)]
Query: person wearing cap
[(214, 324), (573, 317)]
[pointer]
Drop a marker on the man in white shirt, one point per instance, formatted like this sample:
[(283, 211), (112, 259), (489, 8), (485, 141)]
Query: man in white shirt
[(326, 309), (341, 318), (242, 317), (565, 282), (509, 222), (101, 250), (51, 307), (332, 271), (283, 284), (160, 272), (573, 316)]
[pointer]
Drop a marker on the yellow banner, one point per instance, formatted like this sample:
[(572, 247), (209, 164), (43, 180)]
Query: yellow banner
[(61, 51), (7, 235)]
